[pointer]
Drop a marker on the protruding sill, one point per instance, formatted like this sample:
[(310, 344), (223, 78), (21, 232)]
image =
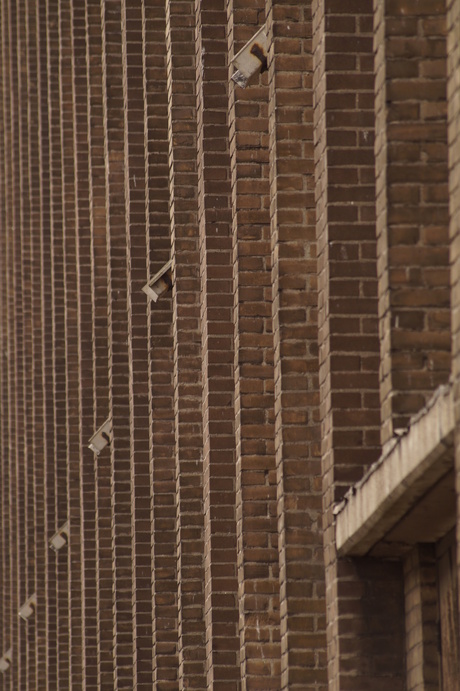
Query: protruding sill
[(408, 468)]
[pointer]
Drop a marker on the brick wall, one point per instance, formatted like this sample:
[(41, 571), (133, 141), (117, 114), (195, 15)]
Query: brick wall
[(308, 319), (185, 248), (257, 535), (214, 219), (27, 391), (97, 339), (160, 357), (421, 619), (297, 433), (453, 96), (35, 369), (412, 206), (82, 296)]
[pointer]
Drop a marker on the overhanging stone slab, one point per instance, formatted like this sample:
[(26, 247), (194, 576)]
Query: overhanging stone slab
[(409, 466)]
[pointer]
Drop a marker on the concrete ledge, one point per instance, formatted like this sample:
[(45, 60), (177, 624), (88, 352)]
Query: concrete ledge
[(407, 469)]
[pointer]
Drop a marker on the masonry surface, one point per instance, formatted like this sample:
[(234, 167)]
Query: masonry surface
[(229, 345)]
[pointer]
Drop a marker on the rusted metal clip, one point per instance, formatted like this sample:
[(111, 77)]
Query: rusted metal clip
[(258, 52)]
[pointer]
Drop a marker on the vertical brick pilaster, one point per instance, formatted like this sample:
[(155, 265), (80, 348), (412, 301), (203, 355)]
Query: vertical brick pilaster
[(85, 314), (214, 217), (72, 389), (3, 345), (58, 564), (11, 600), (5, 612), (420, 586), (36, 371), (257, 533), (453, 102), (453, 99), (138, 344), (448, 615), (345, 192), (292, 215), (348, 336), (247, 400), (18, 435), (412, 205), (100, 467), (46, 295), (118, 253), (24, 290), (5, 626), (161, 358), (180, 43)]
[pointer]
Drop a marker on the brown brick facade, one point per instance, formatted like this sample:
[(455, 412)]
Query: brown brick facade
[(275, 506), (412, 206)]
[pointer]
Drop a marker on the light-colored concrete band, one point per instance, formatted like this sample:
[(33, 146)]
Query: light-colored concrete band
[(409, 466)]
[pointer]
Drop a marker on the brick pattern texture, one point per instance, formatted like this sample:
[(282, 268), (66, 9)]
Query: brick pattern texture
[(257, 534), (453, 100), (412, 205), (348, 333), (185, 250), (312, 225), (294, 313), (421, 619)]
